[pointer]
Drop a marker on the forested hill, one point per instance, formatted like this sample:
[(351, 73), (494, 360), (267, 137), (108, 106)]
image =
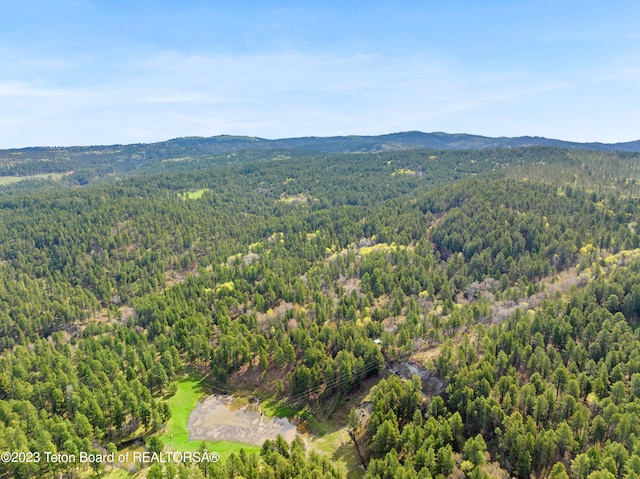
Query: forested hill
[(508, 278), (91, 162)]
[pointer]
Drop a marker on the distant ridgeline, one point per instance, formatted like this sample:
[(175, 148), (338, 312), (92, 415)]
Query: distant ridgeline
[(301, 270), (90, 163)]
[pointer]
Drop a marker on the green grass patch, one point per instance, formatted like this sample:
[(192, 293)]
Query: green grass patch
[(330, 439), (116, 473), (274, 408), (176, 435), (194, 195), (225, 448), (404, 171), (295, 199), (9, 180), (108, 473), (339, 448), (181, 404), (319, 428)]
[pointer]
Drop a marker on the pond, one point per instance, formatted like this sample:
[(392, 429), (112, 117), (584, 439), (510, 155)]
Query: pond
[(226, 418)]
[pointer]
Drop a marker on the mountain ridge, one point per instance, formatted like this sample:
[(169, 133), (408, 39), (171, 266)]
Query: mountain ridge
[(86, 164), (346, 143)]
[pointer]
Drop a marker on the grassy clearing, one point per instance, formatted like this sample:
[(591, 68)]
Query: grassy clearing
[(404, 171), (295, 199), (108, 473), (274, 408), (9, 180), (176, 435), (181, 404), (338, 447), (330, 438), (194, 195)]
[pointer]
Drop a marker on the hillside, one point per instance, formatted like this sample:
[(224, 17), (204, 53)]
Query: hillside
[(81, 165), (298, 282)]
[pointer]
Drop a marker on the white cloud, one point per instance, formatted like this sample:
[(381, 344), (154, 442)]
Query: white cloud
[(18, 89), (169, 94)]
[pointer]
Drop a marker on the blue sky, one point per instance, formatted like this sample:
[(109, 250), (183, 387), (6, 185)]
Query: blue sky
[(80, 72)]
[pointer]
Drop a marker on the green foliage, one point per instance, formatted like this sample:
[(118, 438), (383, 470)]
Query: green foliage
[(109, 292)]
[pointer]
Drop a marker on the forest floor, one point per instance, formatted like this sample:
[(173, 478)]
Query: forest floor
[(559, 283), (425, 352)]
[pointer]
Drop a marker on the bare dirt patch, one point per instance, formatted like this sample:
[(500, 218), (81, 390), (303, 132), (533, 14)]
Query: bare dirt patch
[(225, 418)]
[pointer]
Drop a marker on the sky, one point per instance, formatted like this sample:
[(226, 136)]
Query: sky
[(84, 72)]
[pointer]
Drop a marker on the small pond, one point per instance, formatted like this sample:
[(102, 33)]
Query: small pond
[(226, 418)]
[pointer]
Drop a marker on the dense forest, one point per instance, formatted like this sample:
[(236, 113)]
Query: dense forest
[(84, 164), (508, 277)]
